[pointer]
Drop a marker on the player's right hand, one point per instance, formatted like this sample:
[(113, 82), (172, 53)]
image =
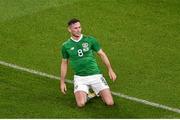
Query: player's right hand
[(63, 88)]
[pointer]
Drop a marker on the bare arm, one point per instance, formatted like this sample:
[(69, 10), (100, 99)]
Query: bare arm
[(64, 65), (105, 60)]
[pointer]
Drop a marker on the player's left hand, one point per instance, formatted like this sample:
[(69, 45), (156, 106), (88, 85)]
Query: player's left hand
[(112, 75)]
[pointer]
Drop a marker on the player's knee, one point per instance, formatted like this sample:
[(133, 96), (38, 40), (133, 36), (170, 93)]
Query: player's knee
[(81, 104), (110, 103)]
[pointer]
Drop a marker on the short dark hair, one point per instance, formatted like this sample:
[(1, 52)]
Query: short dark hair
[(72, 21)]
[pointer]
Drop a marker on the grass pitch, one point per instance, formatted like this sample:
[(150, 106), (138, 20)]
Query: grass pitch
[(140, 37)]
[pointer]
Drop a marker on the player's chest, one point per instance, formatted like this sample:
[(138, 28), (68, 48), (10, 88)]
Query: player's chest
[(79, 49)]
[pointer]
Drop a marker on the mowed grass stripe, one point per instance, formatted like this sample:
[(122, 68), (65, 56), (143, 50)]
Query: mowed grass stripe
[(14, 9), (114, 93)]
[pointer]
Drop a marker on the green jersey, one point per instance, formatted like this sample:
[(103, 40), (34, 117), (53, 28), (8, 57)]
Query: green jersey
[(80, 55)]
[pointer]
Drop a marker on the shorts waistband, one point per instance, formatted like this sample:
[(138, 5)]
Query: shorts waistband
[(88, 75)]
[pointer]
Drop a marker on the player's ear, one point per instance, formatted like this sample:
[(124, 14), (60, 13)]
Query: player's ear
[(69, 29)]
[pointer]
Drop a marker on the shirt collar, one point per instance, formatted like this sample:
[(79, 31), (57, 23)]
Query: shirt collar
[(78, 39)]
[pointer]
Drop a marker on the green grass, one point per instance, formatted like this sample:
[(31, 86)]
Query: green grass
[(140, 37), (39, 97)]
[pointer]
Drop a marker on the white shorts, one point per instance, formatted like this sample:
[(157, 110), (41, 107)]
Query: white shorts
[(96, 82)]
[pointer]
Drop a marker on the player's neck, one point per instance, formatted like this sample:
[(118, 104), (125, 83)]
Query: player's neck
[(76, 38)]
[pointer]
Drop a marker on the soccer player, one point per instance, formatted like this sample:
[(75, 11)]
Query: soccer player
[(78, 51)]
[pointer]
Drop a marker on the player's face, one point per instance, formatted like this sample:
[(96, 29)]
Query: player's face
[(75, 29)]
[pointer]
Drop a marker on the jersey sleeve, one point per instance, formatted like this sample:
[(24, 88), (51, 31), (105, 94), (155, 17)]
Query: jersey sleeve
[(64, 53), (95, 45)]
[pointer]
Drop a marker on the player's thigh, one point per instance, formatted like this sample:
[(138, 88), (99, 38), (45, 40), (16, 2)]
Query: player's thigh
[(106, 96), (80, 92), (99, 85)]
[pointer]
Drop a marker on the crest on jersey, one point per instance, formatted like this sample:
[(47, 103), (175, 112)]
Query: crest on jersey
[(85, 47)]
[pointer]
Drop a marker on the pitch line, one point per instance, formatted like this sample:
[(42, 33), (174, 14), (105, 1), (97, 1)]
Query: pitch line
[(157, 105)]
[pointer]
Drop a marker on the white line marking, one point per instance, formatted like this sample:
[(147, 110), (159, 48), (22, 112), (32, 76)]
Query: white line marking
[(31, 71), (114, 93), (157, 105)]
